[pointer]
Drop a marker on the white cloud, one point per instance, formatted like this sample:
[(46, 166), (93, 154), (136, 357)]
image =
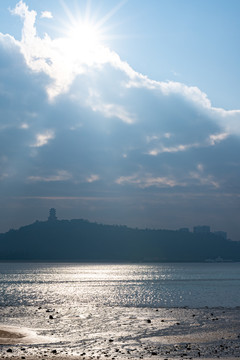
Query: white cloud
[(153, 152), (208, 180), (113, 110), (211, 140), (92, 178), (160, 182), (200, 167), (24, 126), (191, 178), (169, 140), (62, 60), (29, 17), (46, 14), (43, 138), (132, 179), (146, 181), (216, 138), (202, 178), (167, 135), (172, 149), (61, 175), (150, 138)]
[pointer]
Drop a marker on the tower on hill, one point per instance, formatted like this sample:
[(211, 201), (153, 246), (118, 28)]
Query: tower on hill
[(52, 215)]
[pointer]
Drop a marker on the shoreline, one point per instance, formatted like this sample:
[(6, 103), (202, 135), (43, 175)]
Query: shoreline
[(165, 333), (56, 357)]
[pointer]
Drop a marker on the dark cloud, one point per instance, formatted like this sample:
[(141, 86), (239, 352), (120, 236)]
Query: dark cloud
[(111, 151)]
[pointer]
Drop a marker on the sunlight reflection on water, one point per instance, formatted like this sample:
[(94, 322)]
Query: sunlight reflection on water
[(96, 308), (193, 285)]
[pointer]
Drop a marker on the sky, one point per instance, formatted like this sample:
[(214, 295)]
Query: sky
[(120, 112)]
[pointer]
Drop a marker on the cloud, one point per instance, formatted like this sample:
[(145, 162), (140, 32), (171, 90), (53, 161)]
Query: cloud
[(113, 110), (92, 178), (91, 129), (208, 180), (215, 138), (148, 181), (46, 14), (61, 175), (43, 139), (63, 61), (172, 149)]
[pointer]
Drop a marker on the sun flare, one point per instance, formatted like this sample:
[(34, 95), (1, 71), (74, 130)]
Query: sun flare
[(84, 35), (84, 43), (85, 40)]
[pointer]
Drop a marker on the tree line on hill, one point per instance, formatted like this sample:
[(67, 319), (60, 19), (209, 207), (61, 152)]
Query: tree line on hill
[(81, 240)]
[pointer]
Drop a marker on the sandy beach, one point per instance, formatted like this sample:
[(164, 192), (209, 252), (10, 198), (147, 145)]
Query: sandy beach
[(165, 334)]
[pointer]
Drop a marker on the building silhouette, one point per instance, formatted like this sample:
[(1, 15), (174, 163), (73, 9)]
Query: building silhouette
[(201, 229), (222, 234), (184, 229), (52, 215)]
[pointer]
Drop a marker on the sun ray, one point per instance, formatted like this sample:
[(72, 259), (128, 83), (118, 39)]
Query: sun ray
[(88, 10), (67, 11), (89, 21), (110, 14)]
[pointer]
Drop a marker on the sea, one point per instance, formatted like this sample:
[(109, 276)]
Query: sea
[(88, 304), (193, 285)]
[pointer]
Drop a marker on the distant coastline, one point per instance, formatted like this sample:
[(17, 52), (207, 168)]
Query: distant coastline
[(81, 240)]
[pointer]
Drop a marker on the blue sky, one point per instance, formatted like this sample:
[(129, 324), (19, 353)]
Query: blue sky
[(195, 42), (121, 112)]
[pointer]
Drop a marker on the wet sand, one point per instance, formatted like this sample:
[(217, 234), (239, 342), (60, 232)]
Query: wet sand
[(165, 334), (101, 358)]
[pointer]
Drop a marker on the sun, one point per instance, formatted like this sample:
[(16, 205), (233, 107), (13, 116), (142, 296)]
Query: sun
[(84, 35), (84, 42)]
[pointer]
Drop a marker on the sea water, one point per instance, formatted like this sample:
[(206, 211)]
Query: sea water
[(193, 285), (98, 308)]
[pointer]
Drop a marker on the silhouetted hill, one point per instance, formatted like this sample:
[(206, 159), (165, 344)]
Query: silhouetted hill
[(80, 240)]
